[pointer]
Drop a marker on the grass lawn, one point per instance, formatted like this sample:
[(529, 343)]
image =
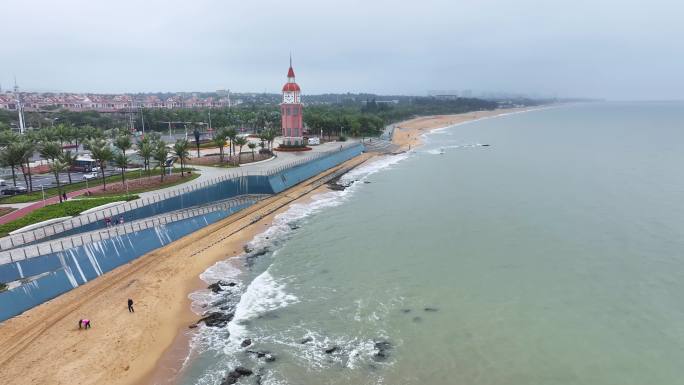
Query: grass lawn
[(65, 209), (37, 195)]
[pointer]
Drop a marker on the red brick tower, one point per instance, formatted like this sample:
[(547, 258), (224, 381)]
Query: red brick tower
[(291, 112)]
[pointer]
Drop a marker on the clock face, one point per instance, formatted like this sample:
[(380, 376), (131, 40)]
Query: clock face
[(288, 97)]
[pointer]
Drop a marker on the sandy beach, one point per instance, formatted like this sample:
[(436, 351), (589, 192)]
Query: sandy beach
[(408, 134), (45, 346)]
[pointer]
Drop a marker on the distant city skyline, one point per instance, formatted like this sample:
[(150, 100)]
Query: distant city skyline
[(607, 49)]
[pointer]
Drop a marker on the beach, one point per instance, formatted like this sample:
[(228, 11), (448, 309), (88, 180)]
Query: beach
[(45, 345), (408, 134)]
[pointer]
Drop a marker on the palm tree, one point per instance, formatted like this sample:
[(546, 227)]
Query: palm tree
[(181, 150), (231, 134), (161, 153), (63, 134), (12, 156), (252, 146), (25, 149), (220, 142), (69, 159), (123, 143), (240, 141), (102, 153), (53, 151), (56, 167), (121, 161)]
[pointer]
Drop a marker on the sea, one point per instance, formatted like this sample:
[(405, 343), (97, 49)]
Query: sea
[(544, 247)]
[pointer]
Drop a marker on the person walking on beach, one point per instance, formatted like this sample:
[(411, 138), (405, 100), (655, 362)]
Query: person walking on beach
[(130, 306), (64, 196), (84, 323)]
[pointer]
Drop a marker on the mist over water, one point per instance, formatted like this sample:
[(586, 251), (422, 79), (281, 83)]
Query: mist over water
[(551, 256)]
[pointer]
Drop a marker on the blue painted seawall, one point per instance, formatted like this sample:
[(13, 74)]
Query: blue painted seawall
[(64, 271)]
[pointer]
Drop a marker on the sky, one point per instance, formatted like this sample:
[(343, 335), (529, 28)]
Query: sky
[(613, 49)]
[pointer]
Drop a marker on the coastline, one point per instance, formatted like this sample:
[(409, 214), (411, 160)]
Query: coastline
[(149, 346), (44, 344), (407, 134)]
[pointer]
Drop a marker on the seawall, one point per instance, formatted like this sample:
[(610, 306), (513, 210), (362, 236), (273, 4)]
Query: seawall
[(58, 272)]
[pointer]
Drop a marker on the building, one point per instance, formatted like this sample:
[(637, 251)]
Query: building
[(291, 112)]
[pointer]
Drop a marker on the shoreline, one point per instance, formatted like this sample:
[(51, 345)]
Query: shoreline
[(408, 134), (123, 348), (151, 345), (170, 364)]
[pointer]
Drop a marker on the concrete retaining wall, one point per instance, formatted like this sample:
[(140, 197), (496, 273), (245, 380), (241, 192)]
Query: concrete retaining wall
[(63, 271)]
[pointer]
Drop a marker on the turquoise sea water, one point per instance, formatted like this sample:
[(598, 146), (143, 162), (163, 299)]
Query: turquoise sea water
[(553, 256)]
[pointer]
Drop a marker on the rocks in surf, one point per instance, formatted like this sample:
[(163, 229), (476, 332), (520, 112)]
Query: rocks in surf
[(216, 287), (235, 375), (265, 354), (431, 309), (382, 350), (331, 349), (245, 343), (306, 340), (216, 319)]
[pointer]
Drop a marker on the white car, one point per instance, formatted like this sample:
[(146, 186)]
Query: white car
[(89, 176), (314, 140)]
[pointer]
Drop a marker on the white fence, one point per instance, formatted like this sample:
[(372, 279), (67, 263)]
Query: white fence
[(70, 242), (17, 240)]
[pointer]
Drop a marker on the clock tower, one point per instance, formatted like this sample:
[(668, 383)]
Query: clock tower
[(291, 112)]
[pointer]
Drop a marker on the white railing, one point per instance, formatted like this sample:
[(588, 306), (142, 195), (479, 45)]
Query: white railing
[(70, 242), (17, 240)]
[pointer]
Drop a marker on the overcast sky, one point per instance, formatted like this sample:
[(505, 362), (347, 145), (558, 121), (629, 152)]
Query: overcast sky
[(617, 49)]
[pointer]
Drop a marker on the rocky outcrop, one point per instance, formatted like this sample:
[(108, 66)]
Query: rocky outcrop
[(382, 350), (235, 375), (216, 319)]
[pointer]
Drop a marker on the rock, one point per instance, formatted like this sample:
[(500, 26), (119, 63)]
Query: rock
[(231, 284), (243, 371), (331, 350), (235, 375), (246, 343), (216, 319), (216, 286), (405, 310), (247, 249), (417, 319), (265, 354), (306, 340), (382, 348), (366, 181), (431, 309), (293, 226), (192, 326)]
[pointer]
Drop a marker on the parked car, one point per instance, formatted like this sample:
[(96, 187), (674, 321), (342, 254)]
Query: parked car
[(314, 140), (14, 190), (90, 175)]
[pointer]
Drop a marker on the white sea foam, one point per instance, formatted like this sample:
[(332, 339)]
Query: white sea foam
[(265, 293), (441, 150)]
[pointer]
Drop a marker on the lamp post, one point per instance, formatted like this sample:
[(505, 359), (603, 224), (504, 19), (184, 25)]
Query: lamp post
[(42, 190)]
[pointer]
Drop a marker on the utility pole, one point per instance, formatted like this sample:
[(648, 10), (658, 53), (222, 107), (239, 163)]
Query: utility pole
[(142, 118)]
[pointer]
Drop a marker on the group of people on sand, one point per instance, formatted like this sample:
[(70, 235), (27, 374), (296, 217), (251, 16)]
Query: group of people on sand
[(84, 323), (109, 221)]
